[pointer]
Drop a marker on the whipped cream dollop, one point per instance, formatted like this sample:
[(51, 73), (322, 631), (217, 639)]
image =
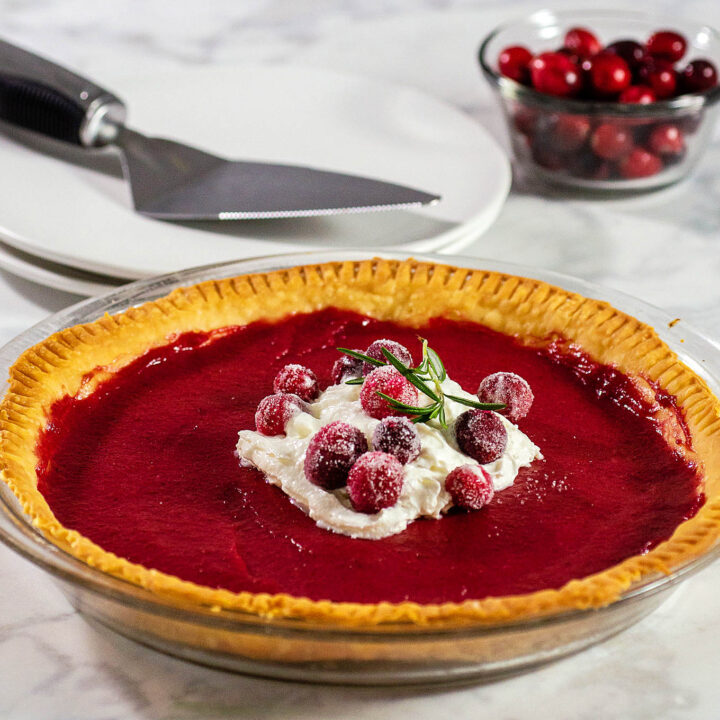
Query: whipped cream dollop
[(423, 494)]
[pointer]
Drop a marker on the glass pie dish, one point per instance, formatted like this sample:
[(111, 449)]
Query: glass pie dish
[(312, 650)]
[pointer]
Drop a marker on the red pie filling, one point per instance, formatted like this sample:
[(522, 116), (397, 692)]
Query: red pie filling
[(145, 467)]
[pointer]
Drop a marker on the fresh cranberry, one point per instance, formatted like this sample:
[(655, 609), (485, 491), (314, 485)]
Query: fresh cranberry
[(298, 380), (524, 120), (470, 487), (511, 390), (397, 436), (586, 165), (660, 76), (582, 42), (555, 74), (609, 74), (375, 482), (667, 140), (375, 351), (639, 94), (611, 141), (346, 368), (274, 411), (386, 379), (630, 51), (332, 451), (481, 435), (667, 45), (570, 54), (569, 133), (546, 157), (640, 164), (698, 76), (513, 62)]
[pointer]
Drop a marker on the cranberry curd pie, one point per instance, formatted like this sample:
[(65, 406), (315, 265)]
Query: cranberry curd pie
[(363, 443)]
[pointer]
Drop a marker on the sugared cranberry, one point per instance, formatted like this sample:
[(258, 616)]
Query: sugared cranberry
[(274, 411), (332, 451), (640, 164), (569, 133), (511, 390), (470, 487), (397, 436), (513, 62), (555, 74), (611, 141), (582, 42), (630, 51), (609, 75), (481, 435), (698, 76), (667, 140), (375, 351), (375, 482), (298, 380), (667, 45), (639, 94), (346, 368), (659, 75), (387, 380)]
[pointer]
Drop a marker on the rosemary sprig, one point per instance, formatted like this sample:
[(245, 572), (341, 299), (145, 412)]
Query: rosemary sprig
[(430, 371)]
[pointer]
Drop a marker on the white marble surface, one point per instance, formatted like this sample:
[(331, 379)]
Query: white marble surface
[(664, 247)]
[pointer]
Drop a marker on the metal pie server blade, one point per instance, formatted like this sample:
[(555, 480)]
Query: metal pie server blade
[(170, 180)]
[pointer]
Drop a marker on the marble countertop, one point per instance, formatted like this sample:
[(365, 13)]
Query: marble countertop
[(663, 247)]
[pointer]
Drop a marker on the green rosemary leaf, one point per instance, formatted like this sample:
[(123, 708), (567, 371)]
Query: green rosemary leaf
[(397, 404), (360, 356), (436, 364), (475, 403), (410, 375), (355, 381)]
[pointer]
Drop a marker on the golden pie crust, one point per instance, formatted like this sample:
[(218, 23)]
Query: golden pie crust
[(73, 362)]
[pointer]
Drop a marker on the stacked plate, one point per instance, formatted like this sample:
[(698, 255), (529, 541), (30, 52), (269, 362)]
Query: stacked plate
[(73, 228)]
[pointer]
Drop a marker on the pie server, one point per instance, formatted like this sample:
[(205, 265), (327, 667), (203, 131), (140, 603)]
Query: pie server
[(169, 180)]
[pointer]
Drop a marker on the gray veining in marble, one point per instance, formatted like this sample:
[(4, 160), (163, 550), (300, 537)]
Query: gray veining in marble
[(663, 247)]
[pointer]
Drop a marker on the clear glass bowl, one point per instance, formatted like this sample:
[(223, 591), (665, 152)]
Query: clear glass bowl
[(542, 126), (304, 650)]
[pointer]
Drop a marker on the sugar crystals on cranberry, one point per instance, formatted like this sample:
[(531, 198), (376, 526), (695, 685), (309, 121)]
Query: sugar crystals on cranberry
[(274, 411), (481, 435), (375, 351), (345, 368), (331, 453), (299, 380), (375, 482), (387, 380), (397, 436), (470, 487), (511, 390)]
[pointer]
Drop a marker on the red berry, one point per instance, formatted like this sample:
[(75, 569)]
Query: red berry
[(386, 379), (660, 76), (610, 141), (569, 133), (667, 140), (298, 380), (609, 74), (510, 389), (547, 158), (470, 487), (640, 94), (630, 51), (524, 120), (481, 435), (555, 74), (346, 368), (582, 42), (332, 451), (375, 482), (698, 76), (640, 164), (375, 351), (274, 411), (667, 45), (397, 436), (513, 63)]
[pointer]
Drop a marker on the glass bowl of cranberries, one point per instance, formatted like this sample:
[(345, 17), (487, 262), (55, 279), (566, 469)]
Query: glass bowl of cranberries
[(605, 100)]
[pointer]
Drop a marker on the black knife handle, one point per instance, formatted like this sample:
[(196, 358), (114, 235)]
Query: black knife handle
[(38, 95)]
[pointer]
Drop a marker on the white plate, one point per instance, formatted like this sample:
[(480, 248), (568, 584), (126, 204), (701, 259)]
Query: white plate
[(82, 218)]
